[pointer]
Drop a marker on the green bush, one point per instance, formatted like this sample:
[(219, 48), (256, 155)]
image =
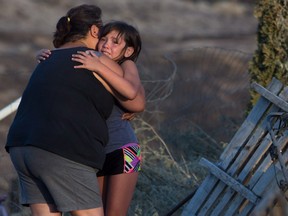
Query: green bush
[(270, 59)]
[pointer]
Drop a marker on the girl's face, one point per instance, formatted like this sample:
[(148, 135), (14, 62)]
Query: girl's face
[(112, 45)]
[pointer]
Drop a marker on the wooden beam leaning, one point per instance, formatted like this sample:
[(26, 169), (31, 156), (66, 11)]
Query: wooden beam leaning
[(228, 180), (251, 131), (270, 96)]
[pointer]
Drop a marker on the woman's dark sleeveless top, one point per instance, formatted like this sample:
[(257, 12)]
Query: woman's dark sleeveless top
[(63, 110)]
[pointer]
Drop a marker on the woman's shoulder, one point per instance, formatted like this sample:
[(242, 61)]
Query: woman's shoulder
[(71, 49)]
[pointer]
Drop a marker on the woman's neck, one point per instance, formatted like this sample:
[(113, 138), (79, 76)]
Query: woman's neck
[(74, 44)]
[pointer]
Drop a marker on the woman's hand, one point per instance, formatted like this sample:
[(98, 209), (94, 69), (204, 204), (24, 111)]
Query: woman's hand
[(89, 59), (42, 55)]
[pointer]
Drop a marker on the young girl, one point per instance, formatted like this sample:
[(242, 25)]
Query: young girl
[(122, 43)]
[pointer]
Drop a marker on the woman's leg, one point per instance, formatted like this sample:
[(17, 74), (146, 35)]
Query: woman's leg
[(47, 210), (43, 209), (120, 189), (88, 212), (71, 187), (102, 188)]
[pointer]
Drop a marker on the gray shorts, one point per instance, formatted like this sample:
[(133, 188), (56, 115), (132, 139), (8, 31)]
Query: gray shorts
[(45, 177)]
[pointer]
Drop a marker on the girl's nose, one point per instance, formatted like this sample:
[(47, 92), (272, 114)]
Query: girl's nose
[(105, 44)]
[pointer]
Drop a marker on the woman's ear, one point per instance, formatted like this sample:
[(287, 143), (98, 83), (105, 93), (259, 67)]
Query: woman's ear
[(128, 52), (94, 31)]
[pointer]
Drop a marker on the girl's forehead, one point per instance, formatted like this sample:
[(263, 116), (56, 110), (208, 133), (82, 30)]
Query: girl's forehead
[(115, 33)]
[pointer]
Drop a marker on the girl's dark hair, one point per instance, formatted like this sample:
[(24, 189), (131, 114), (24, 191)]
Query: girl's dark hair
[(76, 24), (130, 34)]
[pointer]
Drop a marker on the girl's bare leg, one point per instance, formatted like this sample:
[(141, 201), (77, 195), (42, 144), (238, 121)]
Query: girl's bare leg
[(119, 193)]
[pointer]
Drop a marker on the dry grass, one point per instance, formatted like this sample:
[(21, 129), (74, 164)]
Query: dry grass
[(163, 181)]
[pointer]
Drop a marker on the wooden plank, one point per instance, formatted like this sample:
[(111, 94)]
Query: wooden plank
[(278, 151), (234, 168), (237, 202), (268, 178), (261, 180), (220, 187), (200, 196), (213, 198), (242, 158), (268, 202), (249, 125), (254, 182), (263, 149), (234, 207), (228, 180), (268, 162), (244, 172), (270, 96), (232, 150)]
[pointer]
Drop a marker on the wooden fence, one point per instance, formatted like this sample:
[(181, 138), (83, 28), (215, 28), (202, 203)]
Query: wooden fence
[(250, 177)]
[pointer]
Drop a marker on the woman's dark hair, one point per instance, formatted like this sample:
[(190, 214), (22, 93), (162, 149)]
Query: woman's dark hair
[(130, 34), (76, 24)]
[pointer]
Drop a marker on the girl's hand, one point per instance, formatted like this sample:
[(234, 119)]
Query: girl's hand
[(42, 55), (89, 59), (128, 116)]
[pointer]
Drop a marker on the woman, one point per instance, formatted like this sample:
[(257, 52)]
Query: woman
[(118, 177), (56, 141)]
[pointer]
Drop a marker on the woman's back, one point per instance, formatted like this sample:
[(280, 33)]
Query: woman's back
[(63, 105)]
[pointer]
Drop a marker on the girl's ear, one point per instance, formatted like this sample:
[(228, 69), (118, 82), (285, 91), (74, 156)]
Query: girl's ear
[(128, 52), (94, 31)]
